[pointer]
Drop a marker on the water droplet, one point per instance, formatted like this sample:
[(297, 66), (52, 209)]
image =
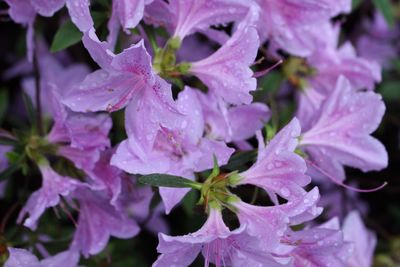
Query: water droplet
[(285, 192)]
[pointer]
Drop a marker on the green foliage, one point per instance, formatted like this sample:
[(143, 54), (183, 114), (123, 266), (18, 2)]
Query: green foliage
[(66, 36), (386, 8), (356, 3), (166, 180), (15, 163), (4, 98), (390, 90)]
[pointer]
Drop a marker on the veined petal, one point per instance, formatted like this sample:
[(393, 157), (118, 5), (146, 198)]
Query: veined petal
[(98, 50), (102, 90), (89, 130), (342, 131), (80, 14), (152, 108), (130, 12), (47, 196), (98, 220), (189, 15), (333, 62), (266, 223), (278, 169), (247, 119), (289, 24), (364, 241), (227, 72), (47, 7), (21, 11)]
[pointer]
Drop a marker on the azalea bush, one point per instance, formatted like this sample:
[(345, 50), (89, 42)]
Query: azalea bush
[(199, 133)]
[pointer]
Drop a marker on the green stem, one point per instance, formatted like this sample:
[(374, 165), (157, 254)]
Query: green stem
[(151, 37), (255, 195)]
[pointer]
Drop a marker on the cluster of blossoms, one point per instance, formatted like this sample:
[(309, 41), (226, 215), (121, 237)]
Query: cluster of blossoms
[(185, 84)]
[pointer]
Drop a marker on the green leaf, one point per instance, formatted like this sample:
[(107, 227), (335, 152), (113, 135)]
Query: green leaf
[(189, 202), (268, 85), (396, 64), (239, 160), (166, 180), (30, 110), (390, 90), (13, 167), (66, 36), (104, 3), (355, 4), (3, 103), (386, 8), (98, 18)]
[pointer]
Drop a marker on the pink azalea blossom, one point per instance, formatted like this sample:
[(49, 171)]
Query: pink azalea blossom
[(278, 170), (226, 72), (332, 61), (218, 245), (269, 224), (23, 258), (123, 77), (98, 220), (329, 63), (125, 13), (180, 150), (363, 240), (323, 245), (80, 136), (53, 186), (380, 43), (231, 123), (290, 24), (341, 132), (24, 12), (190, 15)]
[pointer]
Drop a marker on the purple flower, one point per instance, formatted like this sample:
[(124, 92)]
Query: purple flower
[(107, 177), (23, 258), (191, 15), (231, 123), (341, 132), (226, 72), (218, 245), (319, 246), (123, 77), (53, 185), (179, 150), (364, 241), (291, 24), (331, 61), (88, 131), (268, 224), (80, 137), (278, 170), (24, 12), (125, 13), (98, 220), (129, 13), (379, 44)]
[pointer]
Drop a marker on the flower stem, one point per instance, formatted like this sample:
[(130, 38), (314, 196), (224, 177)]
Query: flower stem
[(39, 118)]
